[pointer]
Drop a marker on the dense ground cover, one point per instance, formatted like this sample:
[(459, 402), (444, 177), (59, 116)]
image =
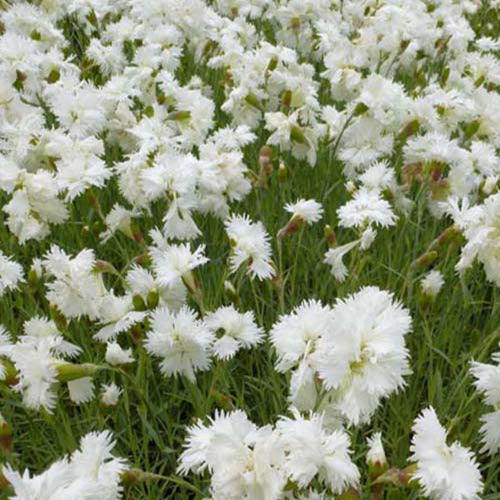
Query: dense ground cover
[(305, 250)]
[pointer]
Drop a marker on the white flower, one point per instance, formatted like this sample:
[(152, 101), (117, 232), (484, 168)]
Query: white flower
[(432, 283), (311, 451), (174, 262), (36, 365), (303, 211), (366, 207), (238, 330), (334, 258), (444, 472), (76, 290), (90, 473), (94, 463), (110, 394), (378, 177), (78, 162), (295, 337), (117, 315), (250, 245), (11, 274), (488, 383), (309, 211), (142, 282), (376, 454), (367, 238), (480, 225), (364, 358), (81, 390), (181, 341), (5, 344), (118, 219), (115, 355), (243, 460), (36, 356)]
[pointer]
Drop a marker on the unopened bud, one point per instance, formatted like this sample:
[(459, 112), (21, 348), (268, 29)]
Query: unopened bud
[(440, 190), (32, 277), (222, 401), (360, 109), (291, 227), (149, 111), (273, 64), (282, 172), (330, 236), (265, 156), (11, 375), (103, 266), (54, 76), (350, 494), (449, 234), (286, 99), (67, 372), (133, 477), (253, 101), (139, 303), (297, 135), (231, 292), (180, 115), (143, 259), (472, 128), (411, 129), (58, 317), (404, 45), (426, 259), (375, 458), (5, 435), (152, 299), (444, 76)]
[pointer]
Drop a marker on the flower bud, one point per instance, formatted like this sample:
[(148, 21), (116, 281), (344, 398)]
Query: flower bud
[(231, 292), (102, 266), (132, 477), (291, 227), (350, 494), (360, 109), (54, 76), (67, 372), (180, 116), (375, 458), (58, 317), (222, 401), (411, 129), (426, 259), (330, 236), (282, 172), (297, 135), (152, 299), (253, 101), (5, 435), (138, 302)]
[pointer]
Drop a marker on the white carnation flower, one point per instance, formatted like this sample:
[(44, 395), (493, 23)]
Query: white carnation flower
[(11, 274), (488, 383), (238, 330), (363, 358), (444, 472), (181, 340), (250, 245), (312, 451)]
